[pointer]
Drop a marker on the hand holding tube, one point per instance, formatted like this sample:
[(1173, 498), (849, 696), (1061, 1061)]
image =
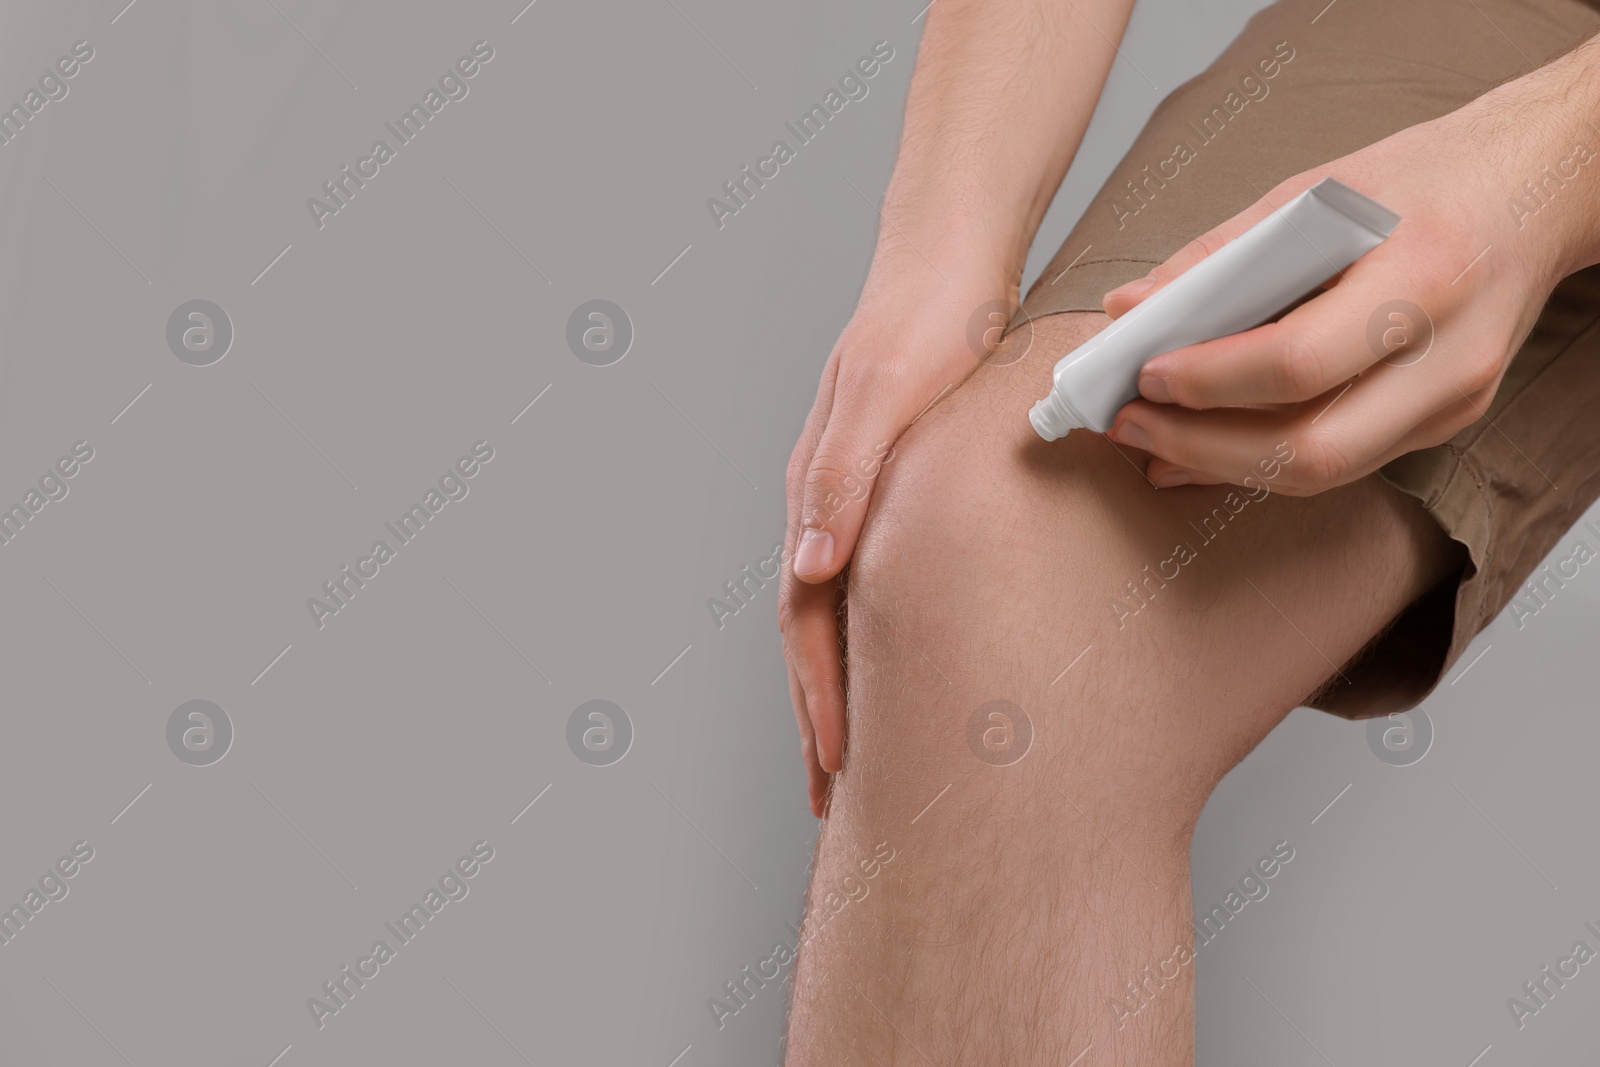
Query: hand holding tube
[(1410, 344)]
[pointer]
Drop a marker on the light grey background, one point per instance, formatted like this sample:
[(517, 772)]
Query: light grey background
[(430, 711)]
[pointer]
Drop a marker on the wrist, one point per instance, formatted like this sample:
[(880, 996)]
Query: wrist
[(951, 250), (952, 223), (929, 289)]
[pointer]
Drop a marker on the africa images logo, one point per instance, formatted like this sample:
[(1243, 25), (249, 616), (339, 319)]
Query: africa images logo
[(343, 587), (341, 989), (452, 86), (852, 86)]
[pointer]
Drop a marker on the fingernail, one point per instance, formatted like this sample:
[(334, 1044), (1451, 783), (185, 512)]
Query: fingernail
[(1133, 288), (1171, 478), (1133, 435), (1155, 388), (815, 552)]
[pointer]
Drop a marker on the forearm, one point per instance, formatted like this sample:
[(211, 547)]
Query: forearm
[(1545, 130), (1001, 95)]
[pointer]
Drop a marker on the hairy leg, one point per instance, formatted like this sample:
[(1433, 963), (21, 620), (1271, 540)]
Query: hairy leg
[(969, 909)]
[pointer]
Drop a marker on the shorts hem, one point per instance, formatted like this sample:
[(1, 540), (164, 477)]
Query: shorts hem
[(1083, 286)]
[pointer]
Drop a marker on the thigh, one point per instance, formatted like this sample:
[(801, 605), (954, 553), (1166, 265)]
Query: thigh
[(1294, 90)]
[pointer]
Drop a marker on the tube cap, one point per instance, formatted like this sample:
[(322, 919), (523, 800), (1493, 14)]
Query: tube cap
[(1053, 417)]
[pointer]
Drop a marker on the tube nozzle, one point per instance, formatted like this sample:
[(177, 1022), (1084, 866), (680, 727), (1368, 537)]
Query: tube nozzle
[(1053, 417)]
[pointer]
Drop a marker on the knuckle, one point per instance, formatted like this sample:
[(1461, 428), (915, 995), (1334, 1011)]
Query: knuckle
[(1287, 488), (1183, 259), (829, 488), (1200, 247), (1481, 370), (1321, 462), (854, 376), (1298, 371), (1446, 430), (795, 473), (1471, 411), (1442, 428), (823, 482), (863, 377), (1164, 444)]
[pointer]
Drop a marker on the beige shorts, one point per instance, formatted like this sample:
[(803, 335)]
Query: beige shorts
[(1299, 88)]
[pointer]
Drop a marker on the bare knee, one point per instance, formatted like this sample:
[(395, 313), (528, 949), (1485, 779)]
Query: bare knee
[(997, 570), (977, 599), (972, 484)]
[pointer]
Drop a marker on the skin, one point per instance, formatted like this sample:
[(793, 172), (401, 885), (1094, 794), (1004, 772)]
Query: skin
[(1027, 903), (964, 202), (1024, 897), (1209, 407), (1032, 910)]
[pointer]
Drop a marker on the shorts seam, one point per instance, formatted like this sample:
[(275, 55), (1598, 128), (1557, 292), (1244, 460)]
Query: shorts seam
[(1097, 262), (1114, 259), (1466, 465), (1042, 290)]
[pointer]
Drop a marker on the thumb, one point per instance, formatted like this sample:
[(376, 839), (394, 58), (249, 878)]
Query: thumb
[(838, 484), (1126, 297)]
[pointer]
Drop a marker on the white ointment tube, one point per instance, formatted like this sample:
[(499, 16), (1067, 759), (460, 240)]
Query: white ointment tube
[(1239, 286)]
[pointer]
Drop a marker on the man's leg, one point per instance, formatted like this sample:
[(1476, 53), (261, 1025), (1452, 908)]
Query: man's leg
[(1020, 901)]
